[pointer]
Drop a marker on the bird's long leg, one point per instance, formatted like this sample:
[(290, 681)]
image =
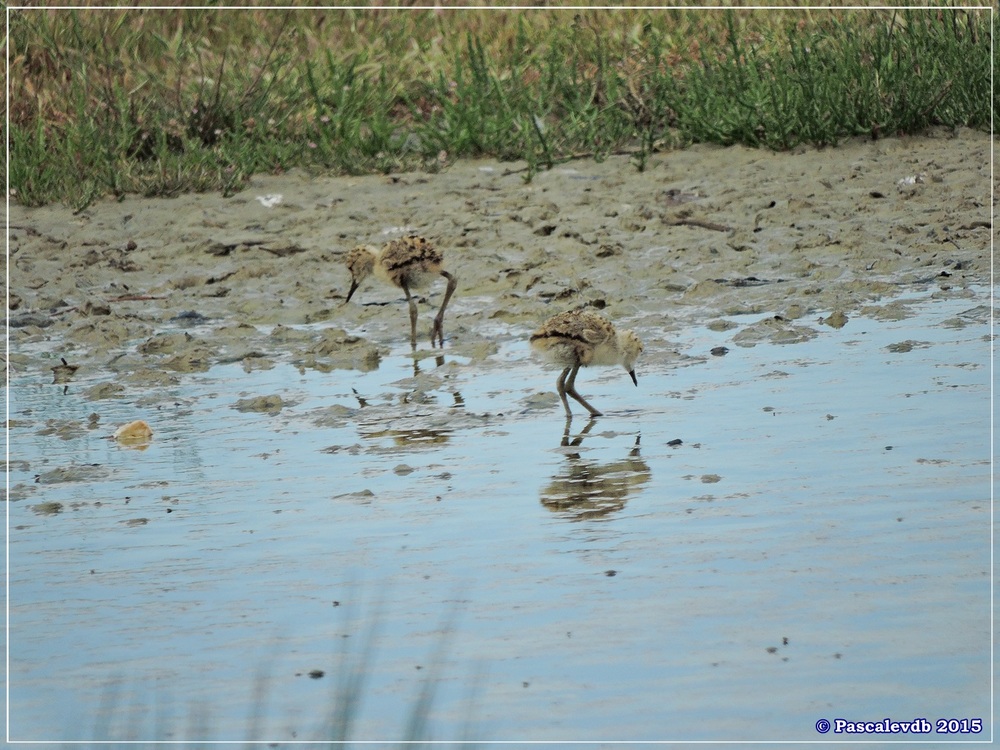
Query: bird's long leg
[(560, 386), (570, 387), (437, 330), (413, 316)]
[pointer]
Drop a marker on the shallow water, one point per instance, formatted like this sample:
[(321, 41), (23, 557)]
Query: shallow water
[(816, 546)]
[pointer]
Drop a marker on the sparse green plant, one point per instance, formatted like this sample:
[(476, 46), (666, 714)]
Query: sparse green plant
[(157, 102)]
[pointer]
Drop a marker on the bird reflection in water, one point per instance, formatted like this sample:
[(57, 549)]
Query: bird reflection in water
[(419, 437), (438, 362), (417, 394), (587, 489)]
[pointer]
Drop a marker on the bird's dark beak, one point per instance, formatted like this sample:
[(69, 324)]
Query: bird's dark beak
[(354, 288), (634, 379)]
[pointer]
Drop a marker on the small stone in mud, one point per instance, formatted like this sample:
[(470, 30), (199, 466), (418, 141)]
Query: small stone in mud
[(541, 400), (136, 522), (720, 351), (133, 433), (720, 325), (610, 573), (65, 429), (675, 442), (835, 320), (47, 509), (38, 320), (337, 415), (190, 317), (252, 362), (74, 473), (316, 673), (94, 308), (902, 347), (365, 496), (338, 349), (268, 404), (283, 334), (19, 491), (775, 330), (166, 342), (196, 359), (402, 470), (710, 478), (103, 390)]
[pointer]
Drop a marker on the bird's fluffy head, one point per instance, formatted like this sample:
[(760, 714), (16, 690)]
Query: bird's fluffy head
[(631, 347)]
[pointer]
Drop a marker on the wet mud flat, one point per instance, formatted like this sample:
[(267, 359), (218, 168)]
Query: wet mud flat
[(702, 233), (796, 496)]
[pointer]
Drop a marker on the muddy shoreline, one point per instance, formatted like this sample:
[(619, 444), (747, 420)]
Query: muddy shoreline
[(808, 512), (138, 292)]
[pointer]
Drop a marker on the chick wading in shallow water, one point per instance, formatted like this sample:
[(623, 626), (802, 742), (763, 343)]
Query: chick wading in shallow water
[(408, 263), (579, 339)]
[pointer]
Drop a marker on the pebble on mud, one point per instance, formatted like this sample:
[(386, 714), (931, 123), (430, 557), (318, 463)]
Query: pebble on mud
[(909, 345), (363, 496), (267, 404), (133, 433), (336, 349), (65, 429), (72, 473), (775, 330), (835, 320), (163, 343), (103, 390)]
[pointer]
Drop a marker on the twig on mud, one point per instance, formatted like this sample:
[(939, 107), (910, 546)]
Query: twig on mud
[(698, 223), (578, 156)]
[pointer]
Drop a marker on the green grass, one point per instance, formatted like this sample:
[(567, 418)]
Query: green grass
[(144, 717), (110, 102)]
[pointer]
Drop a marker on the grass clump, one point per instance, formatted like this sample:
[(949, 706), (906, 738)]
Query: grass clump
[(157, 102), (900, 73)]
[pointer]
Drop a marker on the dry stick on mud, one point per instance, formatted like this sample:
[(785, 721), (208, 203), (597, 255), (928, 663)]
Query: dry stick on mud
[(698, 223)]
